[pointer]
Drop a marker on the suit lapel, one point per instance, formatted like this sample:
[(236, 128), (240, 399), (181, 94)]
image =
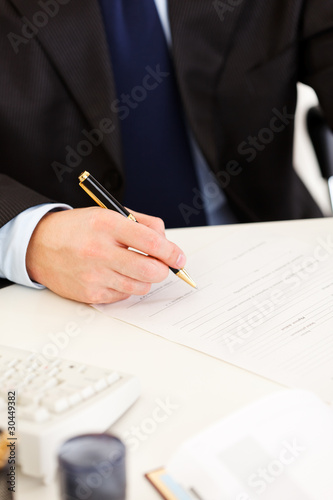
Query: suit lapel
[(75, 42), (201, 37)]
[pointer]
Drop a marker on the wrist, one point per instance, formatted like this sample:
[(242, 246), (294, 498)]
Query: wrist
[(35, 249)]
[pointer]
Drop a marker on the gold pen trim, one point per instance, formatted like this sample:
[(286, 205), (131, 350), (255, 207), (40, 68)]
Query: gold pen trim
[(183, 274), (131, 217), (99, 202), (84, 176)]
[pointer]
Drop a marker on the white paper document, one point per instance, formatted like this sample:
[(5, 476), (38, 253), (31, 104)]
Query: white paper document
[(264, 302)]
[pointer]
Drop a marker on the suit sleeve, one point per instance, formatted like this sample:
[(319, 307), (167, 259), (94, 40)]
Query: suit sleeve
[(15, 198), (317, 52)]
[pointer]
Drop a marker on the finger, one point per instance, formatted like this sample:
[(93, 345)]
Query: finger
[(137, 266), (148, 241), (126, 285), (155, 223), (108, 296), (96, 280), (89, 294)]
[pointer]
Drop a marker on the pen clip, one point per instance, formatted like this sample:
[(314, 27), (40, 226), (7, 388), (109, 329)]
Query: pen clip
[(91, 194)]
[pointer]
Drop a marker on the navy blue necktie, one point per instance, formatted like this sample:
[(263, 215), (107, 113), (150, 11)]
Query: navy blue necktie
[(158, 164)]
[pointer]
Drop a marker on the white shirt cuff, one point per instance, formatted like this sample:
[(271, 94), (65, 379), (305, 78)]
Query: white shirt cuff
[(14, 240)]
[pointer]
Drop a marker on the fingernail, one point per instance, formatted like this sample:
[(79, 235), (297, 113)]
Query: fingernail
[(181, 261)]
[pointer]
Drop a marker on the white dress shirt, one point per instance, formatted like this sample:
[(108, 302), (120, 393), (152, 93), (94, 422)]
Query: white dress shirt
[(16, 234), (14, 240)]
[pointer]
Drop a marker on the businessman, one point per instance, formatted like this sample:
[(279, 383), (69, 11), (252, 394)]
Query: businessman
[(183, 109)]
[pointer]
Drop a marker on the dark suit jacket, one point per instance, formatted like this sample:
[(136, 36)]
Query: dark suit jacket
[(237, 65)]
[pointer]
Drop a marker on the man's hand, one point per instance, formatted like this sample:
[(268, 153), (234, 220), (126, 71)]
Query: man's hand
[(82, 254)]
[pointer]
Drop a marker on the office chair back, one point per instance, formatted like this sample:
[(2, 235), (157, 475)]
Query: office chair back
[(322, 139)]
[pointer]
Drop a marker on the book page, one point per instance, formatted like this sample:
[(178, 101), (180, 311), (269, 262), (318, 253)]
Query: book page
[(280, 446), (264, 302)]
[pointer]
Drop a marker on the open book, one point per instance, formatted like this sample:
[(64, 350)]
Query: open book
[(280, 447)]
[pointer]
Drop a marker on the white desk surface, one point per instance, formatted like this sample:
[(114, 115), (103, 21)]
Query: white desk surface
[(203, 389)]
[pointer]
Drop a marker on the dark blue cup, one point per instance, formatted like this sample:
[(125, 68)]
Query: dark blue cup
[(92, 467)]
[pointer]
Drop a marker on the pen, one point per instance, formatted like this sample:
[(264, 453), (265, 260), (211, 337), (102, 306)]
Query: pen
[(98, 193)]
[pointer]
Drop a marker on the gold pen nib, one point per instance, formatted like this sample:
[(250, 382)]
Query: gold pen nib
[(183, 274)]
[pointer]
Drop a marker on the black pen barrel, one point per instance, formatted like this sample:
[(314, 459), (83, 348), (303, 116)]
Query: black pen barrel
[(104, 196)]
